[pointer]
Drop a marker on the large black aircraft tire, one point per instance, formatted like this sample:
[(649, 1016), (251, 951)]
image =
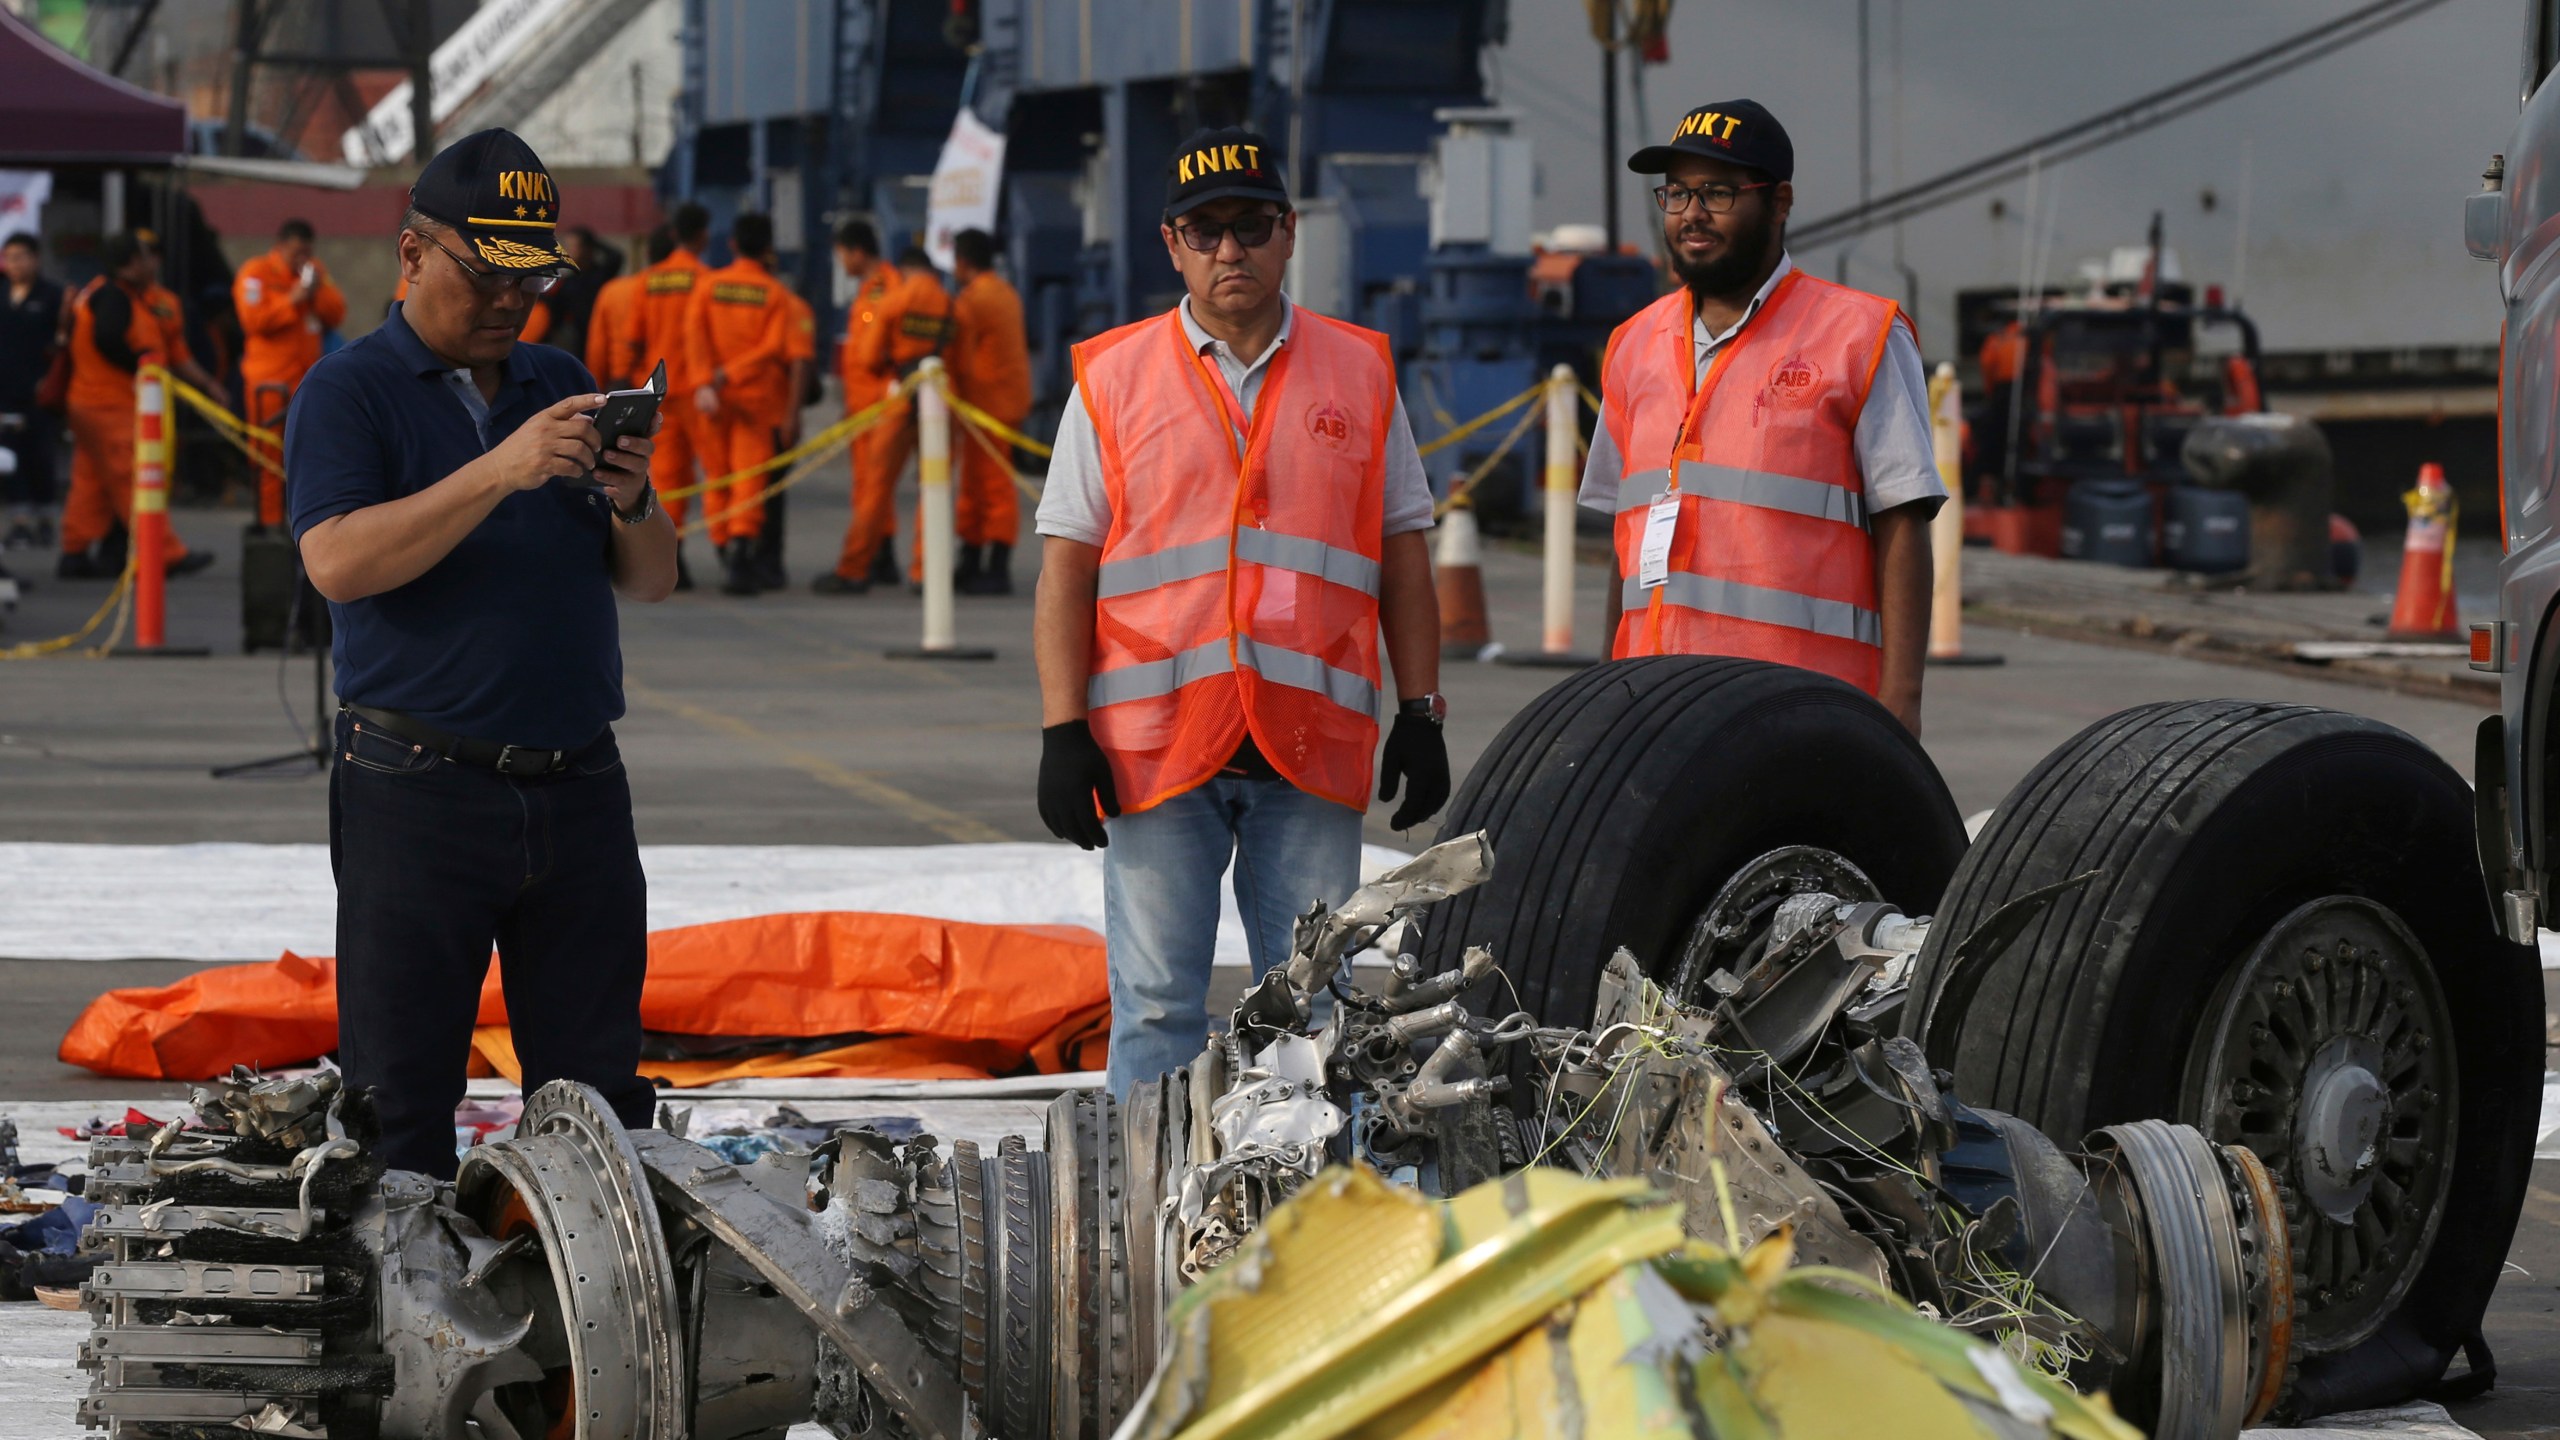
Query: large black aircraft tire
[(2279, 890), (1621, 800)]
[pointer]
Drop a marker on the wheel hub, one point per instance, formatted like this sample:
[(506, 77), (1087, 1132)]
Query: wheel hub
[(2328, 1052), (1734, 928), (2345, 1105)]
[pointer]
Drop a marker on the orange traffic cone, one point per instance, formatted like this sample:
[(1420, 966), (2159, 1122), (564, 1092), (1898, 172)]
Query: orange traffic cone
[(1464, 631), (2424, 610)]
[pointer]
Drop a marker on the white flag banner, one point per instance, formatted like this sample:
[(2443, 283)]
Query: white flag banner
[(460, 66), (965, 185), (22, 197)]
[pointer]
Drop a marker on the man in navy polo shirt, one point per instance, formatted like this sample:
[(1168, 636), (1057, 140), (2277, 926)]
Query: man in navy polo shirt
[(450, 501)]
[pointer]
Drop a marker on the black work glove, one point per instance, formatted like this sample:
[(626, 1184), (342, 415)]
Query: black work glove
[(1074, 773), (1419, 755)]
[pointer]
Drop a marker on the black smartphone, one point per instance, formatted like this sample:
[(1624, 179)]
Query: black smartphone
[(628, 412)]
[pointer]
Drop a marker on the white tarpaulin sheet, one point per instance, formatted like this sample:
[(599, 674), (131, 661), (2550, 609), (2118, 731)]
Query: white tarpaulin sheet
[(252, 902), (965, 183)]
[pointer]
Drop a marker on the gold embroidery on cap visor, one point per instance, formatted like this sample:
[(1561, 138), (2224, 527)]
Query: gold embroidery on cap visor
[(507, 254)]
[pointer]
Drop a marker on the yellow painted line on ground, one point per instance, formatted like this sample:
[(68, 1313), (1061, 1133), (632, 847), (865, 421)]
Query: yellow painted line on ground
[(950, 824)]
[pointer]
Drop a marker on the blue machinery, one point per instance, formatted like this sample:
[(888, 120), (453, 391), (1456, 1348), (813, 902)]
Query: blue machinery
[(1414, 198)]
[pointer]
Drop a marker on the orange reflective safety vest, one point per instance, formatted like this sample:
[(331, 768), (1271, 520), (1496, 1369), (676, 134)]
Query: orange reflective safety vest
[(1771, 558), (155, 332), (1239, 585)]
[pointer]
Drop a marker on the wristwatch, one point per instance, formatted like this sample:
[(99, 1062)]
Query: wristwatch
[(648, 505), (1433, 707)]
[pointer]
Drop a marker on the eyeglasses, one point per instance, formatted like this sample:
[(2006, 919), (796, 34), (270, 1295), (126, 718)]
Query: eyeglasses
[(1715, 195), (496, 282), (1205, 236)]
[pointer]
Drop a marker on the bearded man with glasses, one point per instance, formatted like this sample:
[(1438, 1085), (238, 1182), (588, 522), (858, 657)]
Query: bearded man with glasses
[(455, 505), (1764, 436), (1234, 513)]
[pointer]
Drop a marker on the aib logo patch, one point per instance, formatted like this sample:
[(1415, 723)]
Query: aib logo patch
[(1327, 422), (1795, 381)]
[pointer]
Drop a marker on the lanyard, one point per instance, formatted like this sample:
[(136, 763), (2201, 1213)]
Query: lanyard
[(1715, 369), (1230, 408)]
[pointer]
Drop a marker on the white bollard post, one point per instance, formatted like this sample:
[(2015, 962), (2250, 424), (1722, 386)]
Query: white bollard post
[(934, 520), (1560, 487), (1946, 531), (1555, 645)]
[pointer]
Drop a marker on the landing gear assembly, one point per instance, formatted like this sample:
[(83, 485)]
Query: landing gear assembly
[(2242, 1150)]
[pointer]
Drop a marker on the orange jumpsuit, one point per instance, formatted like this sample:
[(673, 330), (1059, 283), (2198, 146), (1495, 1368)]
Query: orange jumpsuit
[(990, 361), (666, 292), (100, 406), (898, 319), (282, 343), (739, 325), (613, 335)]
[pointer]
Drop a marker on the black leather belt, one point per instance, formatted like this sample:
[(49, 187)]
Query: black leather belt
[(486, 754)]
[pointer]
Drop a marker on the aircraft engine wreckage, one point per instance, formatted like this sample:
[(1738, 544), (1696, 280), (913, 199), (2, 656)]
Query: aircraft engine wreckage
[(578, 1279)]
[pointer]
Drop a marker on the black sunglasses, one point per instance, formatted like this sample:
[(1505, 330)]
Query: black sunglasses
[(1251, 231)]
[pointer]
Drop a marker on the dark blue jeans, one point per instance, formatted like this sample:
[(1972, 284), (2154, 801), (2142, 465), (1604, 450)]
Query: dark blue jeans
[(436, 862)]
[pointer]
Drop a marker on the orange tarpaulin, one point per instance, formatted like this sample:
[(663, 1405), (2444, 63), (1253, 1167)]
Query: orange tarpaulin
[(930, 999)]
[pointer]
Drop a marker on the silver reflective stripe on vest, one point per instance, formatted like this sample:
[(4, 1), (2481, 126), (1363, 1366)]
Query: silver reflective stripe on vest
[(1769, 491), (1133, 574), (1638, 490), (1347, 568), (1836, 618), (1157, 677), (1301, 671)]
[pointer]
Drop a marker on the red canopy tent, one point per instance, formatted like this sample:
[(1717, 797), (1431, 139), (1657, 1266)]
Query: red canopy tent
[(55, 110)]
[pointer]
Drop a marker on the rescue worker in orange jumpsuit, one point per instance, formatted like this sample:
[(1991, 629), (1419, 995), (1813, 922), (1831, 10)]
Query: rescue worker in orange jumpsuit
[(285, 300), (1764, 436), (684, 450), (613, 326), (738, 331), (122, 321), (802, 352), (858, 253), (990, 361), (886, 339)]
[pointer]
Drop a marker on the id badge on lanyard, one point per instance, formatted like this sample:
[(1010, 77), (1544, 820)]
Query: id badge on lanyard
[(1662, 517), (1653, 558)]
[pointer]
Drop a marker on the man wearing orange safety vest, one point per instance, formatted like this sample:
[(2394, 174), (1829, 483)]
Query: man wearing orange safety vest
[(684, 457), (1234, 513), (613, 326), (801, 351), (122, 321), (1764, 437), (990, 363), (285, 300), (738, 333), (900, 316)]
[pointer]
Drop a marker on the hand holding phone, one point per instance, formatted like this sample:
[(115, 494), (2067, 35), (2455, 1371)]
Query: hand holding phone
[(628, 412)]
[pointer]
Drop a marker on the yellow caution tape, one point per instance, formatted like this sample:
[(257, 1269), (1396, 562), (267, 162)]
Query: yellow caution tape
[(1002, 457), (240, 433), (975, 417), (1497, 412), (1458, 489), (845, 429), (119, 602)]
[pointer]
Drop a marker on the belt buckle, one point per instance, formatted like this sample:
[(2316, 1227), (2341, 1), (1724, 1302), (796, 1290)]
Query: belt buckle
[(506, 758)]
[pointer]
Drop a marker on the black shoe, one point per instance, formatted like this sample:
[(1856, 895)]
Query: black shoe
[(770, 575), (110, 552), (884, 565), (187, 564), (684, 577), (739, 557), (964, 575), (831, 583), (22, 533), (77, 565), (996, 578)]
